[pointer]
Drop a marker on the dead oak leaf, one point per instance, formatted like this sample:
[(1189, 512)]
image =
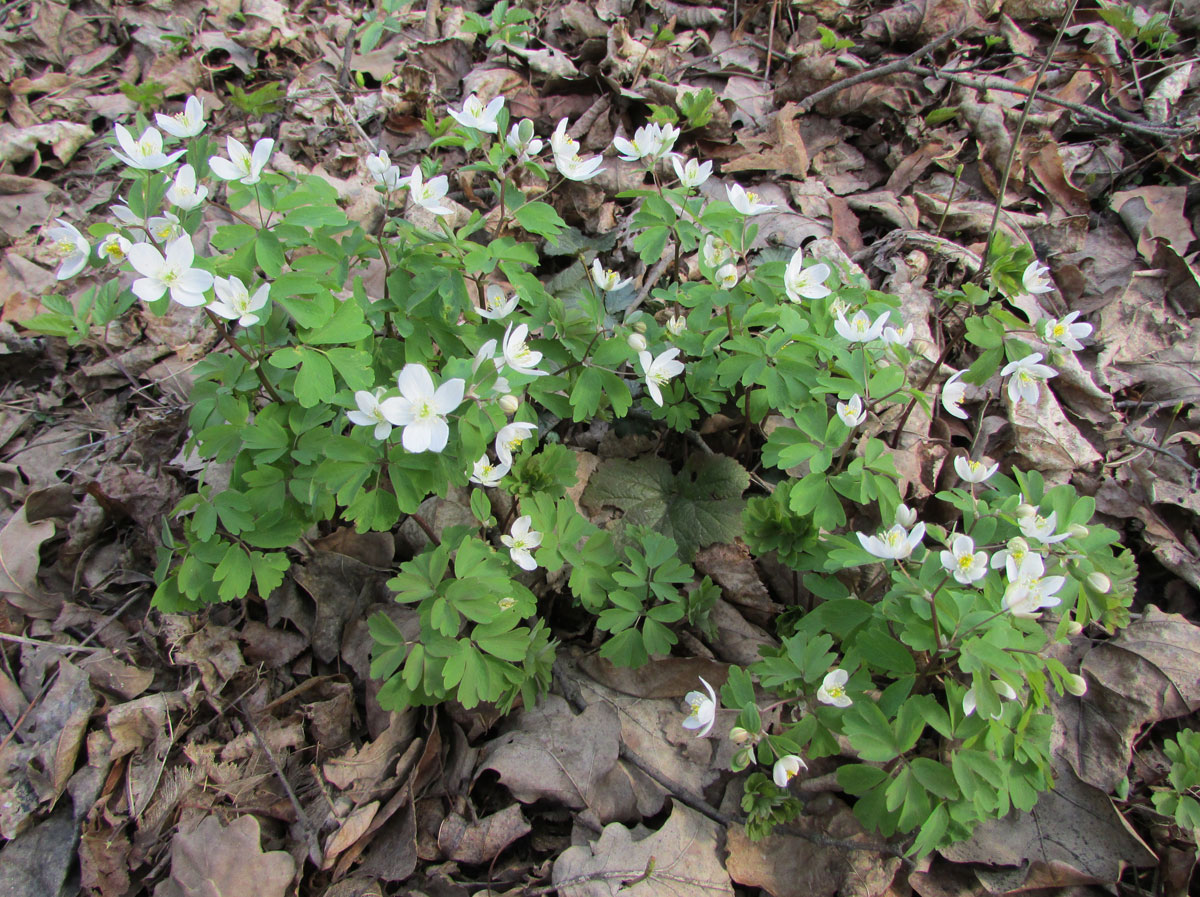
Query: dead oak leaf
[(212, 860), (1152, 212), (783, 151)]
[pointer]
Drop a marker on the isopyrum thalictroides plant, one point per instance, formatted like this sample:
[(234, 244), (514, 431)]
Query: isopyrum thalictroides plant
[(924, 645)]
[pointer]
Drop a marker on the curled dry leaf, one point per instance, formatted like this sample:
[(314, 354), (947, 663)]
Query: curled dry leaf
[(212, 860)]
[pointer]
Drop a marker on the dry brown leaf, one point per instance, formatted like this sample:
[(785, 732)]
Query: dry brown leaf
[(20, 542), (63, 137), (371, 762), (481, 840), (212, 860), (784, 150), (1046, 438), (353, 828), (1152, 212), (663, 677)]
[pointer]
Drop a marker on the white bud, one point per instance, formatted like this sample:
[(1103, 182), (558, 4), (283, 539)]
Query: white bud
[(1074, 627), (1099, 582), (1025, 510), (1076, 685), (637, 342), (640, 325), (509, 404), (1078, 531), (738, 735)]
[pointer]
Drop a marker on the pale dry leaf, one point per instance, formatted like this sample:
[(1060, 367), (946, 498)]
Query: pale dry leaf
[(20, 542), (1167, 92), (684, 853), (1152, 212), (352, 828), (1046, 438), (481, 840), (63, 137), (212, 860), (373, 761)]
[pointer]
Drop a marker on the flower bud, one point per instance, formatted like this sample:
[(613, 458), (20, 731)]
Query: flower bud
[(510, 403), (637, 342), (1075, 684), (1078, 531), (738, 735), (1017, 545), (640, 325), (1099, 582), (676, 325), (1074, 627), (1025, 510)]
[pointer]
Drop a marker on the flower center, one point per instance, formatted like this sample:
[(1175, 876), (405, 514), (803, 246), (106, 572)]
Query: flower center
[(836, 691), (65, 247), (893, 538), (425, 411), (506, 603), (1059, 331), (966, 562), (751, 197), (115, 251)]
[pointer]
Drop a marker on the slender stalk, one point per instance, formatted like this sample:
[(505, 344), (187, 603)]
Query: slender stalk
[(250, 359)]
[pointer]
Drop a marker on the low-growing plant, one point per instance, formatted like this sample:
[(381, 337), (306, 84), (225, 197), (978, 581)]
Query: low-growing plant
[(920, 645), (1179, 796)]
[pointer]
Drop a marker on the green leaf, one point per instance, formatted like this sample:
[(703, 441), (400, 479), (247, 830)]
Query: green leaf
[(541, 219), (314, 383), (269, 253), (316, 216), (699, 506), (234, 573), (346, 326)]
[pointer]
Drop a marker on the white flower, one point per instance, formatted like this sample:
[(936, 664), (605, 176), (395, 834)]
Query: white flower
[(692, 173), (1065, 332), (165, 227), (187, 123), (676, 324), (658, 371), (726, 276), (953, 393), (965, 563), (609, 281), (125, 215), (510, 437), (173, 272), (485, 473), (370, 412), (833, 689), (427, 194), (522, 541), (702, 709), (745, 202), (787, 768), (805, 283), (1035, 280), (860, 329), (509, 404), (113, 248), (1003, 690), (649, 142), (1026, 376), (636, 341), (852, 413), (1041, 528), (1015, 551), (893, 337), (243, 165), (421, 409), (496, 305), (145, 153), (1028, 590), (567, 159), (894, 544), (475, 115), (973, 471), (525, 145), (906, 516), (71, 246), (518, 355), (183, 191), (234, 300), (715, 252), (384, 172)]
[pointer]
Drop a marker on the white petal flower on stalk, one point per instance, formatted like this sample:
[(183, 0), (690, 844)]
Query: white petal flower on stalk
[(953, 392), (567, 159), (172, 272), (370, 412), (1041, 528), (1014, 551), (805, 283), (1035, 279), (906, 516), (487, 352), (427, 194), (421, 408), (234, 301), (496, 305), (650, 141), (833, 689), (659, 371), (71, 246), (894, 544), (1003, 691), (521, 141), (384, 173), (973, 472), (243, 165), (963, 562), (745, 201), (676, 324), (715, 252), (636, 341), (145, 153), (184, 192), (893, 337), (485, 473), (510, 437), (1065, 332), (852, 413), (520, 541), (860, 328), (114, 249), (726, 277), (787, 768), (165, 227), (187, 123), (478, 116), (702, 709), (125, 215), (690, 173), (517, 354), (605, 279), (1026, 377), (1028, 589)]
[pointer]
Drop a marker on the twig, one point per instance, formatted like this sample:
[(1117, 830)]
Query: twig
[(314, 848), (424, 524), (25, 640), (871, 74), (333, 89), (250, 360)]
